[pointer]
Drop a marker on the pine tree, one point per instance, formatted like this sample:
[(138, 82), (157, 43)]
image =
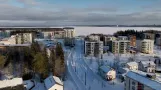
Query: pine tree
[(2, 61), (53, 58), (40, 65)]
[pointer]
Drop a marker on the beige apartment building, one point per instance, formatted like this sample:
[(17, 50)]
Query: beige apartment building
[(120, 46), (145, 46)]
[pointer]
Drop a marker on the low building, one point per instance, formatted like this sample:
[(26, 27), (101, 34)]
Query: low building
[(145, 46), (132, 65), (147, 66), (13, 84), (120, 46), (107, 73), (137, 80), (53, 83), (93, 48)]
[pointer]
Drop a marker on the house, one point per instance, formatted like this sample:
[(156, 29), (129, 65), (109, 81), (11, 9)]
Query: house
[(107, 73), (53, 83), (138, 80), (132, 65), (13, 84), (147, 66)]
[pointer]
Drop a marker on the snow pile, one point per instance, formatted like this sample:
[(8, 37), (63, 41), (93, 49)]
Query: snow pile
[(11, 83)]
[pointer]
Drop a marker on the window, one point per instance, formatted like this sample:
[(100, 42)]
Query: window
[(133, 87), (133, 83)]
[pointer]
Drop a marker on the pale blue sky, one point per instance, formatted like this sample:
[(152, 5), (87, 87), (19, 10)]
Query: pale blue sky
[(79, 12)]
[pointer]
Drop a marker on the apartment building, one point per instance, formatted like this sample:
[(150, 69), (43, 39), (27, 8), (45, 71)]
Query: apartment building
[(137, 80), (69, 32), (132, 39), (93, 48), (122, 38), (94, 37), (145, 46), (107, 40), (150, 36), (120, 46), (158, 41), (69, 36)]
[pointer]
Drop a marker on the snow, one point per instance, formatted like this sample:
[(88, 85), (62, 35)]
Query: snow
[(39, 86), (146, 63), (28, 84), (108, 30), (141, 77), (51, 81), (13, 82), (132, 64), (105, 68)]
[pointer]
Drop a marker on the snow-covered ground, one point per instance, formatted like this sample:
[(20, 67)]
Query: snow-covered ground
[(108, 30)]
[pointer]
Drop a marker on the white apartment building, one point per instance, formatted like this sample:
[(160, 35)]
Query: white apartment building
[(69, 36), (94, 37), (69, 32), (145, 46), (122, 38), (93, 48), (137, 80), (108, 39), (120, 46)]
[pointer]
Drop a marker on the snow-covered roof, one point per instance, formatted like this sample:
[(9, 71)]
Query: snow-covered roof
[(140, 76), (105, 68), (28, 84), (132, 64), (51, 81), (147, 63), (11, 83)]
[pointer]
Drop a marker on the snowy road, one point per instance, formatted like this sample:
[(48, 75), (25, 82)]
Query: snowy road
[(82, 75)]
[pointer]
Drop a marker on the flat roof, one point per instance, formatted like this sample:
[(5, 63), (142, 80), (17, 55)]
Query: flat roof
[(11, 83)]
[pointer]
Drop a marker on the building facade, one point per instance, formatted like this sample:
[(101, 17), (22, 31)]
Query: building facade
[(145, 46), (147, 66), (132, 39), (141, 81), (93, 48), (120, 46)]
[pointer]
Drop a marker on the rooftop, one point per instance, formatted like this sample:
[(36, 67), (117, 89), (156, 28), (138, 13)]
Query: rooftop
[(11, 83), (142, 78), (51, 81)]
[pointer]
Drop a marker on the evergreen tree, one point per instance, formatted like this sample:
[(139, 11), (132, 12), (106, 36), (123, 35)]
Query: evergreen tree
[(53, 58), (40, 65), (2, 61)]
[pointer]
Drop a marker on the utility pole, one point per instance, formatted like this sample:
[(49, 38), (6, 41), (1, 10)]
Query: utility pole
[(85, 78)]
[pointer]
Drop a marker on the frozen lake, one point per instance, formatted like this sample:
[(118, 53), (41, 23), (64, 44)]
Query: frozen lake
[(108, 30)]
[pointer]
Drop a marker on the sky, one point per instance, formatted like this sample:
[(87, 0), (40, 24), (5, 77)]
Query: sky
[(79, 12)]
